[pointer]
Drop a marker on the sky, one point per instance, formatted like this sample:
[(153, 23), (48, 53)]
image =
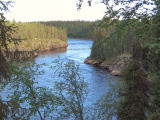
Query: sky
[(48, 10)]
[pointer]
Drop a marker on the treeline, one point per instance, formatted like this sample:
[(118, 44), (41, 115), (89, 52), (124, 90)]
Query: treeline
[(113, 40), (75, 29), (39, 36)]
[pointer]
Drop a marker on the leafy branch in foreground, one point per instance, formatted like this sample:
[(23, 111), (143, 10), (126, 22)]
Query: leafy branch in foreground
[(71, 89), (26, 99), (6, 37), (106, 107)]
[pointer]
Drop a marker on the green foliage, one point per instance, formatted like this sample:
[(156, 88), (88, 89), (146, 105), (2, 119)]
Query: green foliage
[(135, 31), (26, 98), (6, 31), (100, 32), (155, 116), (126, 99), (134, 28), (75, 29), (38, 30), (106, 107), (39, 36), (133, 94), (71, 90), (5, 38), (119, 40), (3, 110)]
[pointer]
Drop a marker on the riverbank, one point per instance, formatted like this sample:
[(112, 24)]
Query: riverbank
[(34, 38), (20, 55), (30, 48), (38, 45), (24, 51), (114, 67)]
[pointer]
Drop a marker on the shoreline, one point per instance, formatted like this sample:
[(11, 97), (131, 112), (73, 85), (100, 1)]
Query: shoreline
[(103, 65), (29, 54), (114, 68)]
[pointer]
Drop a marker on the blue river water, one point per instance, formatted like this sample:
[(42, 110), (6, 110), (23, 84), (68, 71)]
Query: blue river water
[(78, 50)]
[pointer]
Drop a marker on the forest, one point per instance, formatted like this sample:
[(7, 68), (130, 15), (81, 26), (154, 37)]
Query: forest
[(37, 36), (136, 34), (75, 29), (129, 27)]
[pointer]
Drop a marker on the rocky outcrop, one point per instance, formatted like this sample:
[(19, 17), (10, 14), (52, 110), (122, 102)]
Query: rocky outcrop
[(114, 67), (91, 61)]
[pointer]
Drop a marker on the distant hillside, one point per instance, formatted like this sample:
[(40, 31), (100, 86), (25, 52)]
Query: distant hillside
[(75, 29)]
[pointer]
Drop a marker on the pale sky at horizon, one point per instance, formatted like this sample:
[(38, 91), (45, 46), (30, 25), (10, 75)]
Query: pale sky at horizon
[(48, 10)]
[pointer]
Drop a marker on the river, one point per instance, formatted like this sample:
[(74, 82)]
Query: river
[(78, 50)]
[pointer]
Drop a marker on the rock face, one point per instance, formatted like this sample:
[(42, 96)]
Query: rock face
[(115, 67)]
